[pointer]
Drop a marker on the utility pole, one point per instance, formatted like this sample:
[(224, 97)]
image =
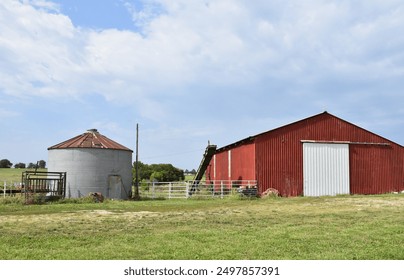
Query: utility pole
[(137, 196)]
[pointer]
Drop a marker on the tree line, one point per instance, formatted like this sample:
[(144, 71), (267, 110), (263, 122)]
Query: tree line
[(5, 163)]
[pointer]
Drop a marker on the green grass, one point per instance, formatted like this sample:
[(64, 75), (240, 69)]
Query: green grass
[(343, 227), (10, 175)]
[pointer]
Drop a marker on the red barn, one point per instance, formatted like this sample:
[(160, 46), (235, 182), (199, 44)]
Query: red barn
[(316, 156)]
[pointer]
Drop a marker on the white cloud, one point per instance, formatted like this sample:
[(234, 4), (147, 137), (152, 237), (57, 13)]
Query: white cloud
[(43, 4), (143, 12), (199, 44), (198, 70), (38, 48)]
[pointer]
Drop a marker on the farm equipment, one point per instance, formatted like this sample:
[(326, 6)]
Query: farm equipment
[(49, 185), (207, 156), (248, 191)]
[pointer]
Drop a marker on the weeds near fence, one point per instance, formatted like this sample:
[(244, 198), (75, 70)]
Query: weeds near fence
[(12, 200), (40, 200)]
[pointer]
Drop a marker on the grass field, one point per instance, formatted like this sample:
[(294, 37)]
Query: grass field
[(342, 227), (12, 175)]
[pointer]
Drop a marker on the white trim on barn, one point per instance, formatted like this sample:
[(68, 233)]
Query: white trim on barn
[(214, 166), (325, 169), (229, 162)]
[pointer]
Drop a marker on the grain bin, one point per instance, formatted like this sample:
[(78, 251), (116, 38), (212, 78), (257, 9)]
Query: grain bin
[(94, 163)]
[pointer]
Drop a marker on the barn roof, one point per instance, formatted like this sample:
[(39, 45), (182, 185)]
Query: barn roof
[(250, 139), (90, 139)]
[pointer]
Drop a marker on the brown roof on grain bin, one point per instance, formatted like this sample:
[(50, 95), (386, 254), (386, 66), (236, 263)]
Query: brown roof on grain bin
[(90, 139)]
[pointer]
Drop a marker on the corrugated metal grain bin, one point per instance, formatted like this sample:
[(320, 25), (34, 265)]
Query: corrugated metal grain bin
[(94, 163), (319, 155)]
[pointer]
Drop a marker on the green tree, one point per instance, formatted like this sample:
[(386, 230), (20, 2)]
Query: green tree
[(145, 171), (159, 172), (41, 164), (5, 163), (19, 165), (157, 176)]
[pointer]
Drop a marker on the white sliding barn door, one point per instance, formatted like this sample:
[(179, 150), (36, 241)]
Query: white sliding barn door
[(325, 169)]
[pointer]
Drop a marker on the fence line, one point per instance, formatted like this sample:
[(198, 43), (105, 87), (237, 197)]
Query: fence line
[(199, 189), (10, 188), (173, 190)]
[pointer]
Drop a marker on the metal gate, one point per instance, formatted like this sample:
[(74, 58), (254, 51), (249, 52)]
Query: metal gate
[(39, 186), (325, 169)]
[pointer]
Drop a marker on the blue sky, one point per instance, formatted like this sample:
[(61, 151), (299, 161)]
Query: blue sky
[(190, 72)]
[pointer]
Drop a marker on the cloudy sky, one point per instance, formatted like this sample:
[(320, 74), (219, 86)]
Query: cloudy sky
[(189, 71)]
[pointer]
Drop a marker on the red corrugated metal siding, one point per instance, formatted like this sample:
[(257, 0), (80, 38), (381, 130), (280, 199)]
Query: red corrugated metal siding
[(374, 169), (218, 169), (279, 155), (209, 172), (243, 162), (221, 165), (242, 167), (279, 163)]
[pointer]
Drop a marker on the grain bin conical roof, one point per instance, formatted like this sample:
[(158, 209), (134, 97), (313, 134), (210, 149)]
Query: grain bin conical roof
[(90, 139)]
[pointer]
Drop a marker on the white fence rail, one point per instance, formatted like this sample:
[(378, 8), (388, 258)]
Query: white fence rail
[(9, 188), (192, 189)]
